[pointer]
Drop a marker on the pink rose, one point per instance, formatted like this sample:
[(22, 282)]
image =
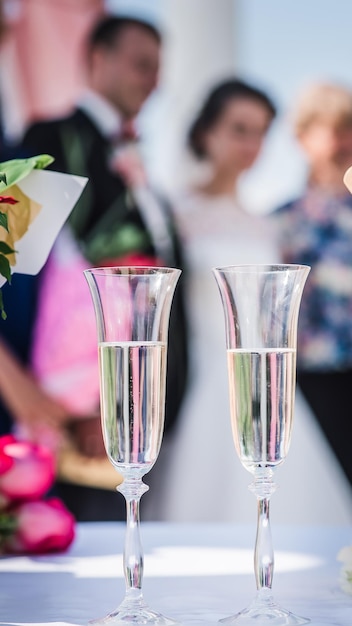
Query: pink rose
[(41, 527), (30, 470)]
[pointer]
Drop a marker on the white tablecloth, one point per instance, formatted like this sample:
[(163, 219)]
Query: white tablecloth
[(194, 573)]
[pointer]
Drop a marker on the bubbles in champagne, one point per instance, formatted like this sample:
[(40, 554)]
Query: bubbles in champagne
[(132, 380), (262, 389)]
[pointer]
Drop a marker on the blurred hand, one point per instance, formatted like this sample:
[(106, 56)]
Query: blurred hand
[(32, 409)]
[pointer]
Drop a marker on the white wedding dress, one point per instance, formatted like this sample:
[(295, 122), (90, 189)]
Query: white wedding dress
[(198, 475)]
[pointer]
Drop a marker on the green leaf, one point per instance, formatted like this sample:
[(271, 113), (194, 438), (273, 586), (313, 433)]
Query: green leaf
[(2, 309), (5, 269), (8, 523), (3, 178), (42, 161), (5, 248), (17, 169), (115, 243), (3, 221)]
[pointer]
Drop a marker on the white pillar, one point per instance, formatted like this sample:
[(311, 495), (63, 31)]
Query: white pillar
[(200, 49)]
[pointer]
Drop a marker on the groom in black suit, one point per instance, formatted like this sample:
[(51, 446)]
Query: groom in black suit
[(114, 217)]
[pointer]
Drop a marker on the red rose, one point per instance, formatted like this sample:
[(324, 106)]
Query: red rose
[(41, 527), (8, 200), (30, 470)]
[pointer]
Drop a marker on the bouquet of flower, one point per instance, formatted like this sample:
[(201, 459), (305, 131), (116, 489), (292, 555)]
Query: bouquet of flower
[(30, 524), (34, 204)]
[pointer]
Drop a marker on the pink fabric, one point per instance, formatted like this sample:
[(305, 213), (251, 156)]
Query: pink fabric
[(65, 353)]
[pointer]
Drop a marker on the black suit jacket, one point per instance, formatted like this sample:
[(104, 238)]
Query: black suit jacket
[(79, 148)]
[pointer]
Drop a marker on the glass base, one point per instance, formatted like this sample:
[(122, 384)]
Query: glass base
[(264, 610), (135, 612)]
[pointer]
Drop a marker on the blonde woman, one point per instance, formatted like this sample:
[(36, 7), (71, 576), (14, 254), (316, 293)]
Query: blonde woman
[(316, 229)]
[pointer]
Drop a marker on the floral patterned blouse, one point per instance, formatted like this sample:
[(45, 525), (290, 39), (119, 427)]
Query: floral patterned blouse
[(316, 230)]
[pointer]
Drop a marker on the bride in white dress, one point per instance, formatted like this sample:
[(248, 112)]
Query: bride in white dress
[(201, 477)]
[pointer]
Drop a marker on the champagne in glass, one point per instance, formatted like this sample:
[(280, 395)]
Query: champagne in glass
[(132, 308), (132, 382), (261, 305), (261, 385)]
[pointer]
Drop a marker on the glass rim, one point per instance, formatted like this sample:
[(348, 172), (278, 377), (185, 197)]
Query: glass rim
[(130, 270), (268, 268)]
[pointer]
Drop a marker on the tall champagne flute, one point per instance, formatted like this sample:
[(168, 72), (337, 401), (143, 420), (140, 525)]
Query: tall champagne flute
[(261, 305), (132, 308)]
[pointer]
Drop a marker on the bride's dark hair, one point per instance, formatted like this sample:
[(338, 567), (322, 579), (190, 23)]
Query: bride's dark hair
[(214, 106)]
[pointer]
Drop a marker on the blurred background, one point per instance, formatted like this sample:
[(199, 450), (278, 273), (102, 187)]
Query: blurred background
[(278, 46)]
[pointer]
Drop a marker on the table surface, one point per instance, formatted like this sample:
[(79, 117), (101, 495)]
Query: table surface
[(195, 573)]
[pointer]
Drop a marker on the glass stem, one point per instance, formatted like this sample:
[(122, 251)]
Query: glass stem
[(133, 557), (263, 487)]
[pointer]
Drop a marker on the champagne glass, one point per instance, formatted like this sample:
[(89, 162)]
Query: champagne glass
[(132, 308), (261, 305)]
